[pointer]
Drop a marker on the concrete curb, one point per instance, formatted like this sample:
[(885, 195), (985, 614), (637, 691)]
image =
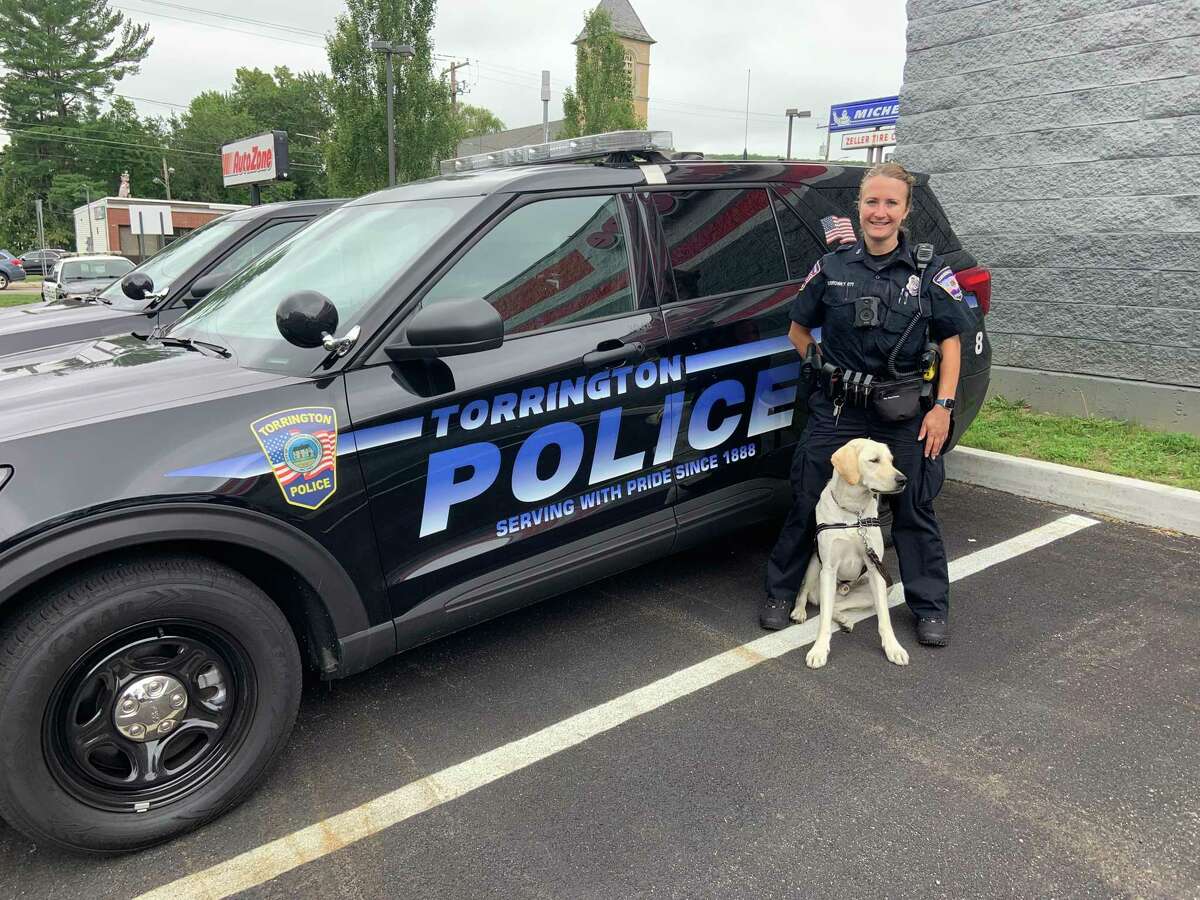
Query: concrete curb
[(1128, 499)]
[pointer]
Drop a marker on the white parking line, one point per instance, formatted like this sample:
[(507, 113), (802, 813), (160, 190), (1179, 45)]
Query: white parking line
[(273, 859)]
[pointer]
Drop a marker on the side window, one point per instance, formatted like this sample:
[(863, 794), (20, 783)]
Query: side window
[(552, 262), (720, 240), (927, 222), (800, 244), (258, 244)]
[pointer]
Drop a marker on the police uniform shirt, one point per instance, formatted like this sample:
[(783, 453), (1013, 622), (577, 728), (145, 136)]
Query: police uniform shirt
[(838, 279)]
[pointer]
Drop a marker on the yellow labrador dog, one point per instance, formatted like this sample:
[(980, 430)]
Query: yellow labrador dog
[(847, 524)]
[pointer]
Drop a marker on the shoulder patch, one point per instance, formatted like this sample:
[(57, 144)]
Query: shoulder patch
[(812, 273), (947, 282)]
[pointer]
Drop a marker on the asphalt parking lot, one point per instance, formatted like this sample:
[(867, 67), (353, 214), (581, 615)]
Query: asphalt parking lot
[(1051, 750)]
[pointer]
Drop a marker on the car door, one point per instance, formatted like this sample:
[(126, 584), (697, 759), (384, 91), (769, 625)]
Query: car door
[(726, 287), (50, 282), (499, 477)]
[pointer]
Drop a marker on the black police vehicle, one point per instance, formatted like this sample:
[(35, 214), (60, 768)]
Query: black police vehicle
[(436, 404), (162, 288)]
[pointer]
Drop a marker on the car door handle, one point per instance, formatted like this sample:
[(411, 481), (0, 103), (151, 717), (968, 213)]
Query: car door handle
[(606, 353)]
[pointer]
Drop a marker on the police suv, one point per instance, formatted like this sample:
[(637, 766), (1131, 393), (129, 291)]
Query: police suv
[(436, 404)]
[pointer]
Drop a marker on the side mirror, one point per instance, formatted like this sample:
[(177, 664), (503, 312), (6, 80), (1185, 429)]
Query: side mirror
[(451, 328), (304, 318), (205, 285), (136, 285)]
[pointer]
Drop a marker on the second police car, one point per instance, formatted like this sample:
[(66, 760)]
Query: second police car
[(436, 404)]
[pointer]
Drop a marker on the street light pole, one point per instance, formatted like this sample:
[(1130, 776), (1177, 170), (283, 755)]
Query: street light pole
[(406, 52), (792, 114)]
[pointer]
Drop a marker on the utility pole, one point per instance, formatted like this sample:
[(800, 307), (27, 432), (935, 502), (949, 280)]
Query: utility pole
[(453, 70), (406, 52), (165, 181), (545, 106)]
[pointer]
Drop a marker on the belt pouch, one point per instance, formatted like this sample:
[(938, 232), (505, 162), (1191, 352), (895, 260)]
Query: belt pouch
[(899, 400)]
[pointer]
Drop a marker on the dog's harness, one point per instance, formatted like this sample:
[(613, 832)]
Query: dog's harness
[(862, 525)]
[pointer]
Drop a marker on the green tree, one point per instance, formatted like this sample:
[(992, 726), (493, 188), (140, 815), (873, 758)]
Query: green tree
[(61, 60), (602, 99), (426, 125), (475, 120)]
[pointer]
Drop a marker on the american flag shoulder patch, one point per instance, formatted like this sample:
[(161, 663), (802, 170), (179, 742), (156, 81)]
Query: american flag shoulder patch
[(947, 282), (812, 273), (301, 447)]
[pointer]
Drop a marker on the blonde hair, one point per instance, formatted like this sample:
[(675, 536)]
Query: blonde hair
[(889, 170)]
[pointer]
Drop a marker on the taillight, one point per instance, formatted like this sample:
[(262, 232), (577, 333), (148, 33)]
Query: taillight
[(19, 262), (978, 281)]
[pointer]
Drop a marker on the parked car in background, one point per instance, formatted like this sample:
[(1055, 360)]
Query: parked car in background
[(162, 288), (77, 277), (10, 269), (40, 262)]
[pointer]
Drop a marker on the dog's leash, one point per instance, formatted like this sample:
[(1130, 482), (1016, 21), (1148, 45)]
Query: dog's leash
[(862, 525)]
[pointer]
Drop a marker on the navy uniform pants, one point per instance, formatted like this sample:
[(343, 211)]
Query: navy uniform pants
[(916, 536)]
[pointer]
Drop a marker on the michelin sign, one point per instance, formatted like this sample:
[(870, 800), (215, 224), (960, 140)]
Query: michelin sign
[(862, 114)]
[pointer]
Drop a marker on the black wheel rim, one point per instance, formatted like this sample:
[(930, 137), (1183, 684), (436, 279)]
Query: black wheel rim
[(101, 766)]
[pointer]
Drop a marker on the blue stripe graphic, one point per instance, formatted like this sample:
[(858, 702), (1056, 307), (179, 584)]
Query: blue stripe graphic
[(727, 356), (250, 465)]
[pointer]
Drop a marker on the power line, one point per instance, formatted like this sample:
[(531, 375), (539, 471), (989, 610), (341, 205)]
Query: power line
[(270, 37), (66, 139)]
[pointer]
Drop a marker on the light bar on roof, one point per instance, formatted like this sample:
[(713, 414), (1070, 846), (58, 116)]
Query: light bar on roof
[(562, 151)]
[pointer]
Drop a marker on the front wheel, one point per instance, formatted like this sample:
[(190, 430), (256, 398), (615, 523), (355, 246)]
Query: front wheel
[(140, 700)]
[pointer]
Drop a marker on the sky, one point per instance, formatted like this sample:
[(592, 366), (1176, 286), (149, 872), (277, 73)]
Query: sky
[(800, 54)]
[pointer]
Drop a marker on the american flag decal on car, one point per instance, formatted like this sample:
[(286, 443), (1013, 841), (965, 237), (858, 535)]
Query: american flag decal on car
[(838, 230)]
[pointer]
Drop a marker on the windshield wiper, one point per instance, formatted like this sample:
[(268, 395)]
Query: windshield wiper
[(193, 344), (189, 343)]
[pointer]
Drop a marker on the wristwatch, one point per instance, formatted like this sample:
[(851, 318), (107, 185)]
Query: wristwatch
[(946, 403)]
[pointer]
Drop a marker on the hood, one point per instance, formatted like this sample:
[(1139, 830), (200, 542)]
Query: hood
[(42, 324), (72, 384)]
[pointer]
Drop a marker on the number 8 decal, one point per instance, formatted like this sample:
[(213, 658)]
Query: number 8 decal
[(978, 342)]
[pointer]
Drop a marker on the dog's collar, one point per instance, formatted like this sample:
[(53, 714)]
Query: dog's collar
[(872, 522)]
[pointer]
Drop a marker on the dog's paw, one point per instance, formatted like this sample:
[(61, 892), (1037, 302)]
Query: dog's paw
[(897, 654), (800, 611), (817, 656), (843, 623)]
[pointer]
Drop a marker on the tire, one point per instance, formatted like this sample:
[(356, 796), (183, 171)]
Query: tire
[(3, 281), (72, 773)]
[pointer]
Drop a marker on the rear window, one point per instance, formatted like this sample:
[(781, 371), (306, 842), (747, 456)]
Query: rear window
[(84, 270), (720, 241), (927, 222)]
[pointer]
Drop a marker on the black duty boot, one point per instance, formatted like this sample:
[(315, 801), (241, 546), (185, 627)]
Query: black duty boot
[(933, 632), (775, 614)]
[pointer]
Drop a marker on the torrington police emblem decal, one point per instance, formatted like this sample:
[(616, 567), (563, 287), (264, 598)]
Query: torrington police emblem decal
[(301, 446)]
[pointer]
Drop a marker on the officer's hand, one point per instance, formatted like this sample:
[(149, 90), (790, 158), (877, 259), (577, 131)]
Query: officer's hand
[(934, 430)]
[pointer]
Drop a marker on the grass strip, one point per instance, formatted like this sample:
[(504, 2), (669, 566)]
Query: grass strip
[(1103, 445), (17, 298)]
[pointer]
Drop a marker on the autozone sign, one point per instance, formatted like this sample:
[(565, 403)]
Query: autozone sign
[(884, 138), (253, 160)]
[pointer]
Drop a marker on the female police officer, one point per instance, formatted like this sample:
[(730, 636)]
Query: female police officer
[(869, 297)]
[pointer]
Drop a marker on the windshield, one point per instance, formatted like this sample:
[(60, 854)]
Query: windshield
[(94, 269), (350, 255), (174, 259)]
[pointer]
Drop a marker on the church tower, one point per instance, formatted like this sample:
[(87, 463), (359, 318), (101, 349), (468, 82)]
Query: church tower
[(637, 43)]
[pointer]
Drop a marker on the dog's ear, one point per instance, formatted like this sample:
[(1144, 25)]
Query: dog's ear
[(845, 461)]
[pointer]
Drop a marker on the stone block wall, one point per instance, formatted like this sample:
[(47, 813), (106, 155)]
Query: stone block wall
[(1063, 140)]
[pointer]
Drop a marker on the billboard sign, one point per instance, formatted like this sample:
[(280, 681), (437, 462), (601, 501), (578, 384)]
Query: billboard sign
[(255, 160), (884, 138), (864, 114)]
